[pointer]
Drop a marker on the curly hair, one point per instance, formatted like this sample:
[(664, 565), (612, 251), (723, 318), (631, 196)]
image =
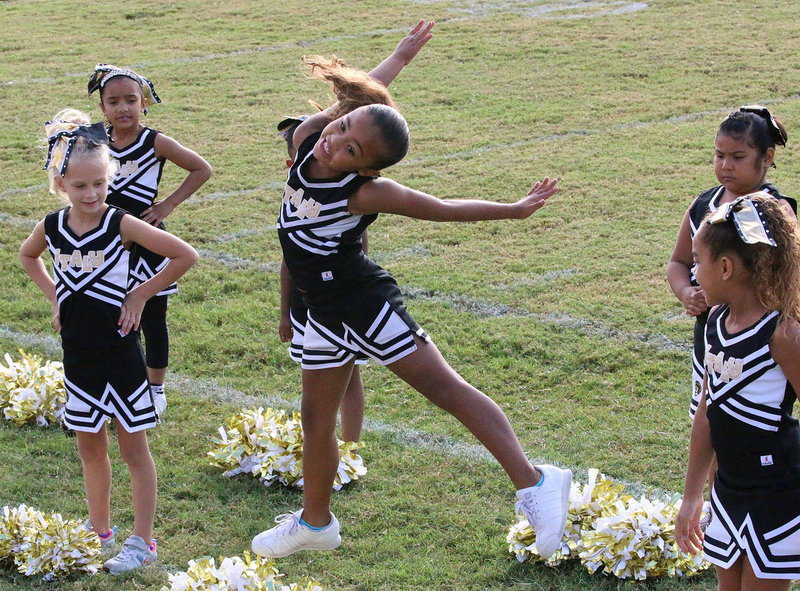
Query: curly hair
[(352, 88), (775, 270)]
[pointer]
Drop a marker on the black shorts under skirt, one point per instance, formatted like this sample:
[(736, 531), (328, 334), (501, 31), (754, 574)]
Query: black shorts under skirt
[(763, 526)]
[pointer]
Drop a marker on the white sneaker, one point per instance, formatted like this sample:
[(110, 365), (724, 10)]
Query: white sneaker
[(135, 553), (159, 400), (545, 507), (107, 544), (290, 535)]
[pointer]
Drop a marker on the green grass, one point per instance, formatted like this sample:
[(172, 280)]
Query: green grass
[(557, 318)]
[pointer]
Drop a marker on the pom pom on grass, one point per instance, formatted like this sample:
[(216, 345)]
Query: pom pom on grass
[(268, 444), (32, 390), (611, 532)]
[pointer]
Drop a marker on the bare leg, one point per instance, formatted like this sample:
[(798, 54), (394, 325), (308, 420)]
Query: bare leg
[(93, 451), (156, 376), (426, 371), (730, 579), (353, 408), (751, 583), (135, 453), (323, 390)]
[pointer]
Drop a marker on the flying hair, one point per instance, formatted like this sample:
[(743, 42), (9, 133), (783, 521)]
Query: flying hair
[(352, 88), (775, 269)]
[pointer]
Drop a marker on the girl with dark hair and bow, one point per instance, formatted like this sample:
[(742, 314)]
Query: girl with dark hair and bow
[(355, 310), (744, 151), (97, 314), (747, 262), (142, 153)]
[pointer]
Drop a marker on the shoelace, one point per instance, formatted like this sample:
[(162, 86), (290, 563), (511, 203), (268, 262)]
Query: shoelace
[(528, 507), (128, 551), (288, 522)]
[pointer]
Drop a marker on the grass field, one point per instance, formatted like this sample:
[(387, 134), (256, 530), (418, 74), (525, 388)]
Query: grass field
[(565, 319)]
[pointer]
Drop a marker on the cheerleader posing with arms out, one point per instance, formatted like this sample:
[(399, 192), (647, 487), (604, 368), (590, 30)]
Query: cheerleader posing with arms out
[(747, 262), (98, 318), (355, 310), (142, 153), (293, 309)]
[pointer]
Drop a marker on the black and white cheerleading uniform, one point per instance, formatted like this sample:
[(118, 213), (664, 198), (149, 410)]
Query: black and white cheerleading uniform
[(756, 495), (355, 309), (134, 189), (705, 202), (104, 371)]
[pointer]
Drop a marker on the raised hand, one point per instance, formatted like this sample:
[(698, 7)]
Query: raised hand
[(415, 40)]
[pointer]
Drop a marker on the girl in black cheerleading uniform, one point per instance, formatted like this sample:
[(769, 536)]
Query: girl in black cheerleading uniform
[(142, 152), (294, 316), (98, 315), (355, 310), (747, 262), (744, 150)]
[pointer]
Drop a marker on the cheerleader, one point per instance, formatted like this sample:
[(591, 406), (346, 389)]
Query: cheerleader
[(747, 262), (142, 152), (355, 310), (97, 316)]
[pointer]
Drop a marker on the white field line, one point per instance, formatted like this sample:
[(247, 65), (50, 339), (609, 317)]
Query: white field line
[(587, 327), (234, 262), (31, 189), (13, 220), (212, 390), (565, 10)]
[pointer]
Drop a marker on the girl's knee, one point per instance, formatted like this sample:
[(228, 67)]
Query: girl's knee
[(92, 447), (136, 457)]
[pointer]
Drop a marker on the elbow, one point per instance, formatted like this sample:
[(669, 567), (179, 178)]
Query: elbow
[(192, 257), (206, 171)]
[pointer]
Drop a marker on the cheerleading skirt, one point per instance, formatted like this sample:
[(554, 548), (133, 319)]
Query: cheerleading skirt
[(107, 382), (764, 526), (369, 321)]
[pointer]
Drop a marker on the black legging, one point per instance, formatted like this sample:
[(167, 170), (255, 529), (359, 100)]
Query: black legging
[(156, 335)]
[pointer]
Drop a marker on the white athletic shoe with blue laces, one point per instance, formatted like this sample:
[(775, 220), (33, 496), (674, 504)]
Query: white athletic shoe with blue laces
[(290, 536), (545, 507)]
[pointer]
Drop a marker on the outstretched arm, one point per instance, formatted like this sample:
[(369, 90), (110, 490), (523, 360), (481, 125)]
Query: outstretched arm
[(387, 196), (406, 50), (385, 73)]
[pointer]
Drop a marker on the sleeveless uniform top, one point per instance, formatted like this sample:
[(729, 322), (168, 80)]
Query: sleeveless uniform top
[(749, 402), (321, 240), (134, 189), (91, 276)]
